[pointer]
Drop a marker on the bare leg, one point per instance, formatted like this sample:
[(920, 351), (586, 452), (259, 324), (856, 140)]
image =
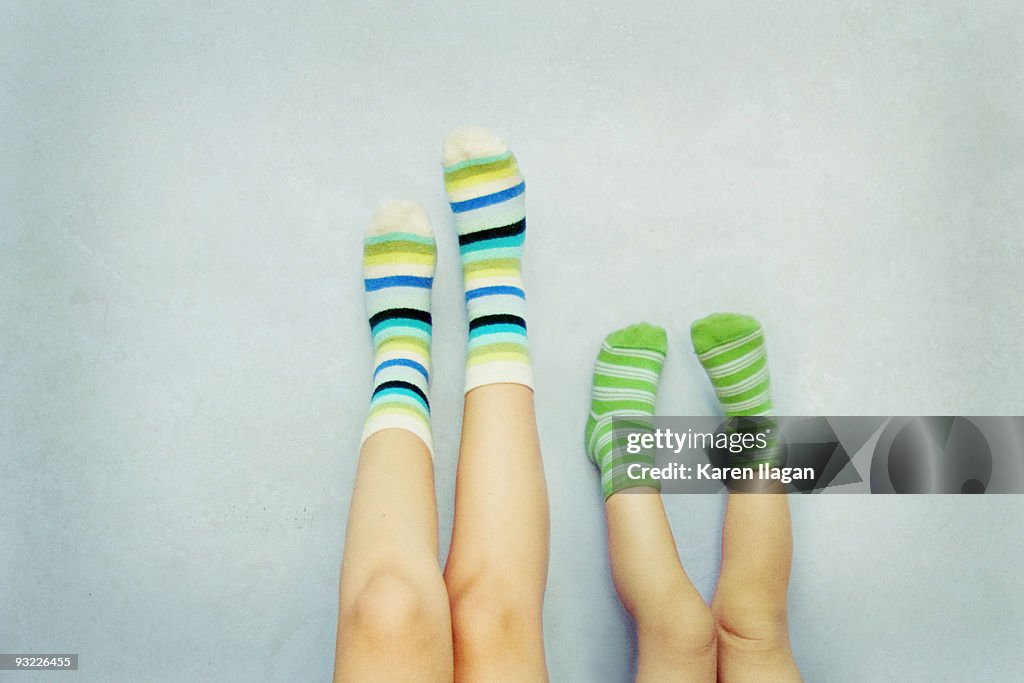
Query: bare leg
[(750, 601), (757, 541), (497, 566), (393, 622), (498, 561), (393, 619), (675, 630)]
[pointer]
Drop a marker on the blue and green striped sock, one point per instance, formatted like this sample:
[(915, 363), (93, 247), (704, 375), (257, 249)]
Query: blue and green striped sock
[(398, 266), (626, 377), (487, 196)]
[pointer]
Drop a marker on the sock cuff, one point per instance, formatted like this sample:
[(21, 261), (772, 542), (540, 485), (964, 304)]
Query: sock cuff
[(614, 480), (407, 421), (499, 372), (608, 449)]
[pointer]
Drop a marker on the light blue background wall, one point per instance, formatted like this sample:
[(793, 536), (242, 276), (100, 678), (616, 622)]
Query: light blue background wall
[(183, 351)]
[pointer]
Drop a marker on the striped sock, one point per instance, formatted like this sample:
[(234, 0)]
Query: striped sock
[(626, 377), (398, 267), (487, 196), (731, 348)]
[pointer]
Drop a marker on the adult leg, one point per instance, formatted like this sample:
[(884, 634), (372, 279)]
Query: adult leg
[(750, 600), (675, 630), (497, 564), (393, 620)]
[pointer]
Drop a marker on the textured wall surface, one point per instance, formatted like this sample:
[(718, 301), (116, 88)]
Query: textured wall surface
[(184, 360)]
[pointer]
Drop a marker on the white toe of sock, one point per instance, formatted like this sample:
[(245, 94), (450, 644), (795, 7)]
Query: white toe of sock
[(400, 216), (471, 143)]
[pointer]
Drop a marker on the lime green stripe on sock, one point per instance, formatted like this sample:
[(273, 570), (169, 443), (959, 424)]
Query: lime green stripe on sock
[(731, 348), (491, 238), (626, 377), (472, 166)]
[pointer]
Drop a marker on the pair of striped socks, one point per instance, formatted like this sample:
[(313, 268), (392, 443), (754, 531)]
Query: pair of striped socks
[(729, 346), (486, 193)]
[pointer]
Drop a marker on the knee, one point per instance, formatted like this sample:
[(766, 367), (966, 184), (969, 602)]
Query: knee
[(748, 621), (492, 612), (393, 605), (679, 621)]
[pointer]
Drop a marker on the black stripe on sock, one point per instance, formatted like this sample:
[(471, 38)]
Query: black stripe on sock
[(392, 313), (399, 384), (510, 230), (499, 319)]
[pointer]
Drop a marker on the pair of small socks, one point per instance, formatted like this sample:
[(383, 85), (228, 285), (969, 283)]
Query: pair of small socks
[(729, 346), (486, 193)]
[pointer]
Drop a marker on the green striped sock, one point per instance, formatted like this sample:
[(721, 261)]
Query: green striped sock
[(398, 269), (626, 377), (732, 350), (487, 196)]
